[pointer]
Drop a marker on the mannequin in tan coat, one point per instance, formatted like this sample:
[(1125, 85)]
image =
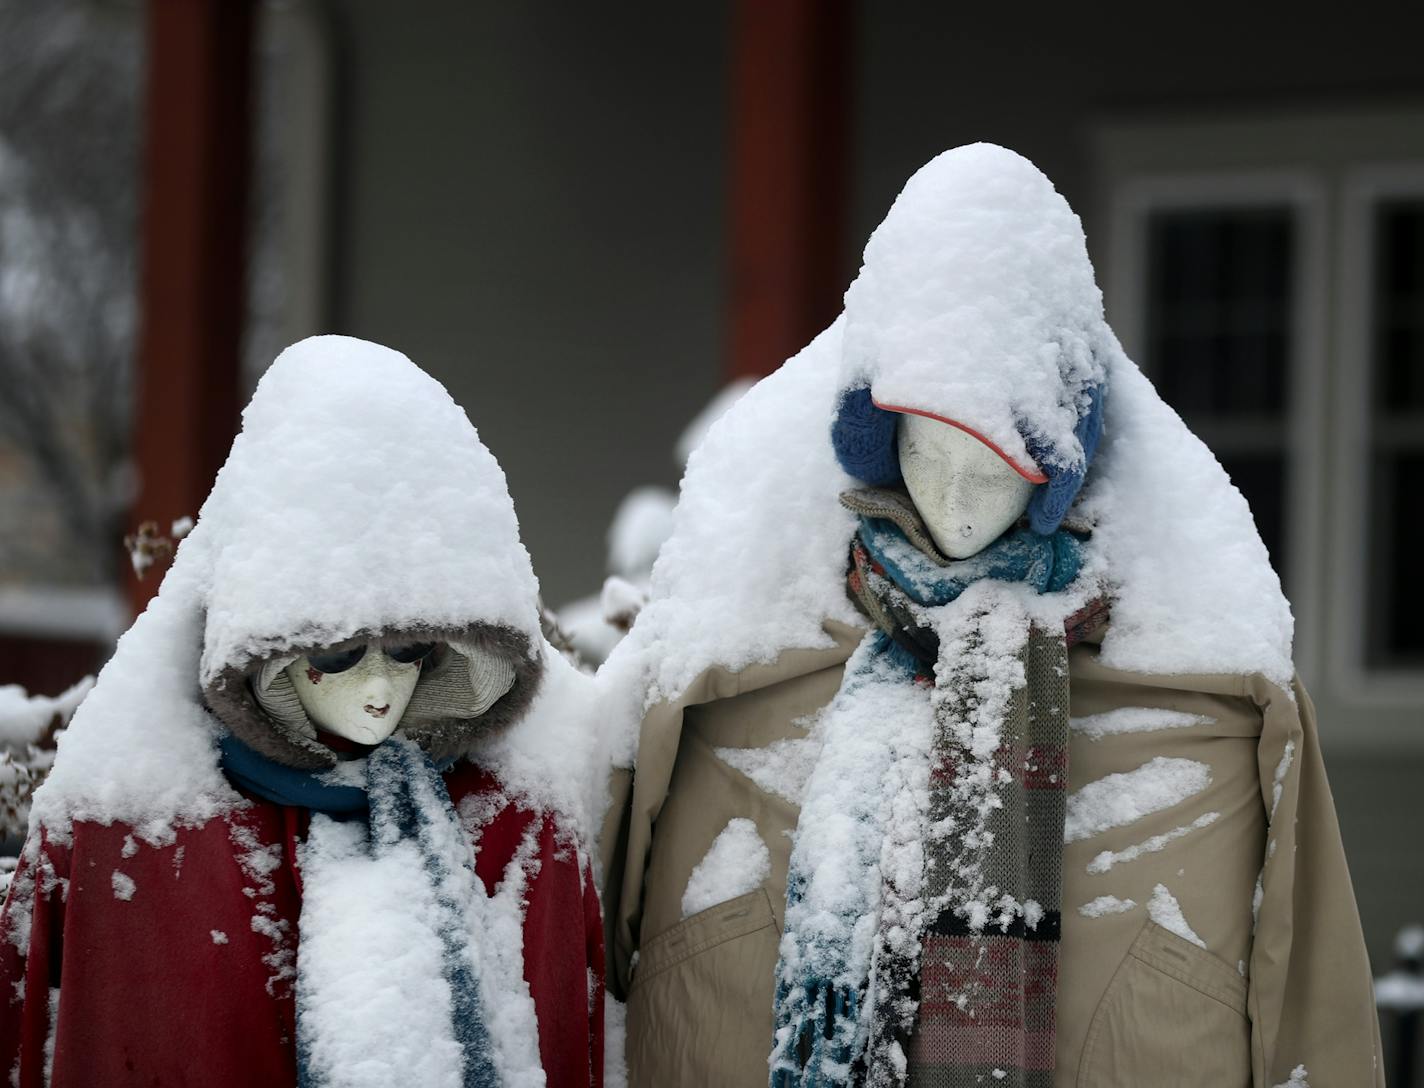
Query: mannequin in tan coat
[(1212, 940)]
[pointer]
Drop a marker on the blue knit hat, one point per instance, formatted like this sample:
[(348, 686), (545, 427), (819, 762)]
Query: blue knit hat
[(864, 437)]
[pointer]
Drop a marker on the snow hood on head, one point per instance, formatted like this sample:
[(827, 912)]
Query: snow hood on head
[(977, 303), (357, 502), (357, 499)]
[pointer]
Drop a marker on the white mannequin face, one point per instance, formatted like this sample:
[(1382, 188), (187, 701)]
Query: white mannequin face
[(967, 494), (361, 700)]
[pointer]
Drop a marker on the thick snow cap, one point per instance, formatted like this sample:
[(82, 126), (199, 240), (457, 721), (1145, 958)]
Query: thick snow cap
[(977, 303), (357, 500)]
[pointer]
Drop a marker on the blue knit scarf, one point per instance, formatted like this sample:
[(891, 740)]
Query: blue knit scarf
[(404, 800), (823, 1015)]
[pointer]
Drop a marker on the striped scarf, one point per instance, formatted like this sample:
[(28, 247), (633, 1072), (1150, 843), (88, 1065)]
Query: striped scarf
[(922, 915)]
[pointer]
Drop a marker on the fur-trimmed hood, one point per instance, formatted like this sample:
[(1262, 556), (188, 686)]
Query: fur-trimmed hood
[(381, 517), (476, 682)]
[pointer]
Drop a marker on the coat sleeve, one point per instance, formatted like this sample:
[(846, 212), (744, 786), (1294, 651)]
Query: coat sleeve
[(1312, 995), (563, 961), (31, 931)]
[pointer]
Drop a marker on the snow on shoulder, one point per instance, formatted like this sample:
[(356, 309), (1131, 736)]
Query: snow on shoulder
[(357, 498), (756, 560), (977, 301)]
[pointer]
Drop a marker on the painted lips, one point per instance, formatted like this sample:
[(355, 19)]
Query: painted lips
[(378, 711)]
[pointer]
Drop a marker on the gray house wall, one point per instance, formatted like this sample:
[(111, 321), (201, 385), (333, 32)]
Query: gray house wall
[(532, 210)]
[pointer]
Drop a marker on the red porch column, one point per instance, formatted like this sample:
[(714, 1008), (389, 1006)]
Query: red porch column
[(789, 149), (196, 165)]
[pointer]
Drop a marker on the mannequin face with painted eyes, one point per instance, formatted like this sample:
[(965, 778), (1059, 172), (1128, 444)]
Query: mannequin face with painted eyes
[(358, 692), (967, 494)]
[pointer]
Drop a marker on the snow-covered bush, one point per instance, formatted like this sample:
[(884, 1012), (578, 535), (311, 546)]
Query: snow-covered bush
[(30, 726)]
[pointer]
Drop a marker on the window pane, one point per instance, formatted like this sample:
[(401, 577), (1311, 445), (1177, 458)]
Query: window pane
[(1218, 340), (1395, 633), (1399, 306), (1219, 309), (1395, 624)]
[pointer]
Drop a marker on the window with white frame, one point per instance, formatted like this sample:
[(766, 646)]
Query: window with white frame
[(1268, 275)]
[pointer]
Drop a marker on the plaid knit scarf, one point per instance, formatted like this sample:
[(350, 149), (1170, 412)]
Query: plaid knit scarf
[(922, 899)]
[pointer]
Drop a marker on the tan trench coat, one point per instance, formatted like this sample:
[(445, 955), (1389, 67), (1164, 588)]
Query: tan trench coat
[(1138, 1005)]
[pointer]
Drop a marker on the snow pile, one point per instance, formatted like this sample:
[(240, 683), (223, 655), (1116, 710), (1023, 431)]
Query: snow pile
[(1134, 719), (758, 552), (781, 768), (357, 497), (736, 863), (123, 885), (1120, 799), (555, 758), (387, 924), (1400, 991), (1164, 909), (977, 303), (615, 1043), (1104, 905), (1192, 585), (695, 433), (640, 525), (30, 727), (25, 717)]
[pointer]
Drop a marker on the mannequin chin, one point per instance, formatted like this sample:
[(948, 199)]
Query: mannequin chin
[(364, 702), (967, 494)]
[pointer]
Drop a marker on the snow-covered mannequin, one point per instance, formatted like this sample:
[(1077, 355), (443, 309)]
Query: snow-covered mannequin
[(323, 818), (868, 759)]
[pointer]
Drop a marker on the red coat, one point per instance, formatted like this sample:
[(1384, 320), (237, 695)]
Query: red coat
[(175, 965)]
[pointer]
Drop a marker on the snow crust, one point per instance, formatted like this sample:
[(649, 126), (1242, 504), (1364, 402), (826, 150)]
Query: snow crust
[(1134, 719), (737, 862), (1164, 909), (1104, 905), (1120, 799), (357, 498)]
